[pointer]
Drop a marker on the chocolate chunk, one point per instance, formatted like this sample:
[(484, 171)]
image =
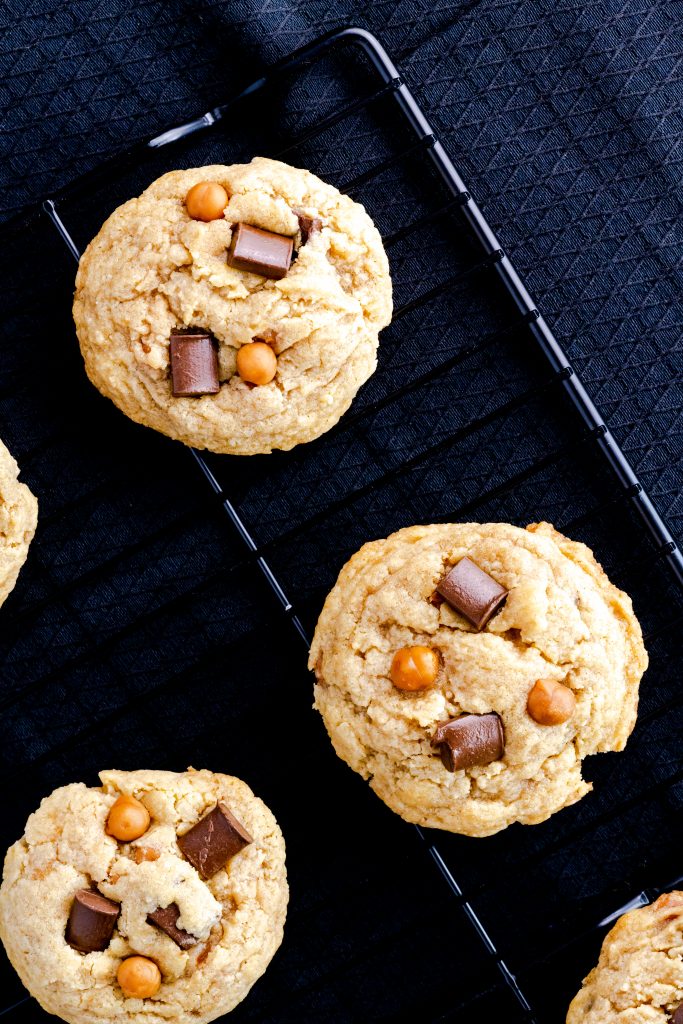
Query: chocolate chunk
[(677, 1015), (308, 226), (472, 592), (166, 918), (470, 741), (260, 252), (213, 840), (92, 920), (194, 364)]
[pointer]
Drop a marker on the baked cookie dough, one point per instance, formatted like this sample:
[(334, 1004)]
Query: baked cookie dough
[(394, 662), (228, 927), (639, 977), (154, 269), (18, 518)]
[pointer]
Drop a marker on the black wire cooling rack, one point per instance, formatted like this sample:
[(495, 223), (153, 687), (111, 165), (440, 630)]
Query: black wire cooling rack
[(475, 412)]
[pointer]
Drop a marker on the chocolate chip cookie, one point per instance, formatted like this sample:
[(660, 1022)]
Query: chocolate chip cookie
[(18, 519), (234, 308), (156, 896), (466, 670), (639, 976)]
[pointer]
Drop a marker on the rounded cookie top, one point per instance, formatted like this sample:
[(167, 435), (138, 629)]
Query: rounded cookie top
[(18, 518), (231, 922), (563, 626), (639, 976), (153, 269)]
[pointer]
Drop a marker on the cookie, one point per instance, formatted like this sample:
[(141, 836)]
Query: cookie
[(252, 254), (466, 670), (639, 977), (18, 519), (157, 896)]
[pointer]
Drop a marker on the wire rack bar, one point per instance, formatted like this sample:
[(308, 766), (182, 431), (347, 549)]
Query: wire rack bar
[(435, 373), (374, 172), (475, 921), (14, 1006), (450, 282), (336, 118)]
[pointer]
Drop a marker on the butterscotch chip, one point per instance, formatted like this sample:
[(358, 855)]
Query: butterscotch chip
[(639, 975), (550, 702), (206, 201), (128, 819), (145, 853), (256, 362), (414, 668), (562, 621), (139, 977)]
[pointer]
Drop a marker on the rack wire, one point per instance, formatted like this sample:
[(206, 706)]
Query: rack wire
[(352, 500)]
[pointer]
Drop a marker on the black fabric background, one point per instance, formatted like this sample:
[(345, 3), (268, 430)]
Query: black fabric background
[(138, 634)]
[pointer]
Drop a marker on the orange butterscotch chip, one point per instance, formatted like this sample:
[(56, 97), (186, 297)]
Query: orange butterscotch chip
[(550, 702), (414, 668), (206, 201), (128, 819), (143, 853), (139, 977), (256, 362)]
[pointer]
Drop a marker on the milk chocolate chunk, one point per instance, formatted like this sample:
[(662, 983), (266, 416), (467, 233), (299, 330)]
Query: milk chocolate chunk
[(308, 226), (214, 840), (92, 920), (472, 592), (677, 1015), (470, 741), (166, 918), (260, 252), (194, 364)]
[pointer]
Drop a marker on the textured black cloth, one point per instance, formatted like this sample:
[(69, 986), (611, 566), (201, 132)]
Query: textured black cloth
[(139, 635)]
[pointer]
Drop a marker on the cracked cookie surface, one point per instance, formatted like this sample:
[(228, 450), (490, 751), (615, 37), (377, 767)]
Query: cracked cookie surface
[(639, 976), (18, 519), (152, 269), (237, 915), (563, 620)]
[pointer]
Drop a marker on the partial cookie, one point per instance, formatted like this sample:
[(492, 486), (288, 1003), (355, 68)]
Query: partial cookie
[(158, 896), (223, 259), (18, 519), (639, 977), (466, 670)]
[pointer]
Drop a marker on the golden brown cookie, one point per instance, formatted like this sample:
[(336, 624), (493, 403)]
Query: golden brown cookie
[(639, 976), (167, 926), (18, 519), (168, 261), (492, 728)]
